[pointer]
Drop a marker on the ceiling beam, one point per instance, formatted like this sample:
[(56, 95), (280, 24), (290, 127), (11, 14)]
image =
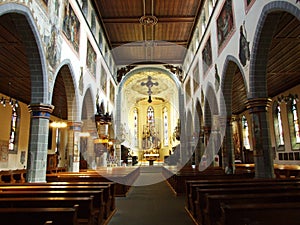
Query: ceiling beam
[(188, 19), (139, 43)]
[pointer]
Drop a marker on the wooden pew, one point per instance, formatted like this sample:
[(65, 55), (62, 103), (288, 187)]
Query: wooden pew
[(261, 213), (98, 204), (123, 177), (213, 212), (200, 203), (110, 184), (35, 216), (178, 180), (86, 213), (106, 199), (191, 195)]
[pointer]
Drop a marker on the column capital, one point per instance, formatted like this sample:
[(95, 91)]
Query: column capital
[(258, 104), (75, 125), (40, 110)]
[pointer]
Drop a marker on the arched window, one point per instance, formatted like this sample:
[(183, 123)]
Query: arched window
[(135, 130), (294, 123), (14, 130), (150, 115), (278, 126), (245, 133), (166, 128)]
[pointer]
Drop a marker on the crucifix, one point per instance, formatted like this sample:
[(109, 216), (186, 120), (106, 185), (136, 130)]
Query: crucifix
[(149, 84)]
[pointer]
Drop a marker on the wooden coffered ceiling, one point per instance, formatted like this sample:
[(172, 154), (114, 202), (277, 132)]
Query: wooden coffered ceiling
[(175, 25), (131, 40)]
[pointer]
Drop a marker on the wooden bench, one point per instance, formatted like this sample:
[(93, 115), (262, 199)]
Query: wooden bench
[(107, 202), (213, 212), (261, 213), (191, 195), (35, 216), (200, 203), (86, 213), (98, 203), (110, 184), (178, 180), (123, 177)]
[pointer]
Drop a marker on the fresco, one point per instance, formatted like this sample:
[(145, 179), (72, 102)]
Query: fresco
[(206, 56), (71, 26), (91, 59), (225, 22)]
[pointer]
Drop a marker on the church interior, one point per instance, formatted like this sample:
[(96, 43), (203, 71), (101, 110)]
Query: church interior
[(149, 112)]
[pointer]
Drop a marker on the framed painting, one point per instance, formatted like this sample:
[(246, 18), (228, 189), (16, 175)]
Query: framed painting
[(91, 59), (71, 26), (225, 22), (206, 56)]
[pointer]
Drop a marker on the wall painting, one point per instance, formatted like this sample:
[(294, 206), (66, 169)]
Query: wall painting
[(91, 59), (225, 22), (71, 26), (206, 56)]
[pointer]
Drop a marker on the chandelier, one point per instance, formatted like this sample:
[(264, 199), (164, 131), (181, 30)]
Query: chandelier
[(148, 20), (4, 100), (13, 103)]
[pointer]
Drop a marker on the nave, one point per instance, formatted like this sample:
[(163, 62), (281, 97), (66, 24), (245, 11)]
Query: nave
[(150, 204)]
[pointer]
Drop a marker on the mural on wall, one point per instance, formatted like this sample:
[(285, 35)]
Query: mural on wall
[(103, 79), (112, 92), (206, 56), (217, 78), (225, 22), (71, 26), (91, 59), (53, 50), (244, 50), (80, 83)]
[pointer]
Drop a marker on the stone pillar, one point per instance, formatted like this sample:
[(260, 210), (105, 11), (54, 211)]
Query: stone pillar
[(228, 152), (262, 149), (74, 129), (38, 142)]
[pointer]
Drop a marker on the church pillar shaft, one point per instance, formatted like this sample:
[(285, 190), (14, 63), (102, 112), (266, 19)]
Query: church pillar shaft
[(262, 149), (37, 151), (228, 153), (73, 146)]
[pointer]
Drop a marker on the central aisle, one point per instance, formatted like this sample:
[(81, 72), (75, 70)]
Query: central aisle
[(154, 204)]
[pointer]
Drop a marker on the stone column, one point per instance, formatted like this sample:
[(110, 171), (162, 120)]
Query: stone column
[(38, 142), (228, 152), (74, 129), (262, 149)]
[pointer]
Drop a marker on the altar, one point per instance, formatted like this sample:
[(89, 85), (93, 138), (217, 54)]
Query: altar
[(151, 156)]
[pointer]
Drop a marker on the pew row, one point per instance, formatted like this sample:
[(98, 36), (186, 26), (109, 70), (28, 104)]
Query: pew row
[(123, 177), (86, 213), (36, 216), (261, 213)]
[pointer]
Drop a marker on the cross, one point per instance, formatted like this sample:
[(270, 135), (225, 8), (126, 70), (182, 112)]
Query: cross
[(149, 84)]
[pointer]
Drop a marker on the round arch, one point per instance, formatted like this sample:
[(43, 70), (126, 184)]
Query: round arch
[(33, 46)]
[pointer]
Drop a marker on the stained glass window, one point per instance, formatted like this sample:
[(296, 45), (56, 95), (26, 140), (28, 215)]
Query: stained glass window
[(245, 133), (296, 121), (14, 130)]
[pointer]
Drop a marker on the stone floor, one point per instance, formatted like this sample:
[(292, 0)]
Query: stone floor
[(154, 204)]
